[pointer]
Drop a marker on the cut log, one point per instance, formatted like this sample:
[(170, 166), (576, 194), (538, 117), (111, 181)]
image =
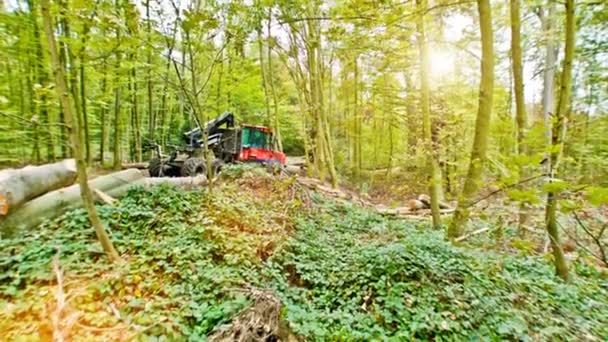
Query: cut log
[(182, 182), (57, 202), (21, 185), (141, 166), (407, 212), (427, 202), (416, 204)]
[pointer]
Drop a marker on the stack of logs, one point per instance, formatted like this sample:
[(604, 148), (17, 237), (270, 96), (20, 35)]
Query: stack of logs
[(33, 194), (419, 208)]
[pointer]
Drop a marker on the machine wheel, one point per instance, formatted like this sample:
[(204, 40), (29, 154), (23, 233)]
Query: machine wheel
[(216, 166), (193, 167), (155, 167)]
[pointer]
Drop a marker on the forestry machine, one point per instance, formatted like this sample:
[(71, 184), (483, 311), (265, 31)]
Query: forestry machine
[(228, 142)]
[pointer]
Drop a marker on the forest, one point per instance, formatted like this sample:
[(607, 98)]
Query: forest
[(389, 170)]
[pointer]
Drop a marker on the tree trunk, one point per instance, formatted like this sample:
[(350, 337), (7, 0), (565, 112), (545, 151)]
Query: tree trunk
[(431, 160), (103, 111), (264, 76), (85, 118), (72, 72), (151, 115), (136, 118), (548, 99), (557, 142), (275, 101), (356, 137), (62, 92), (55, 203), (42, 79), (117, 148), (520, 104), (482, 124)]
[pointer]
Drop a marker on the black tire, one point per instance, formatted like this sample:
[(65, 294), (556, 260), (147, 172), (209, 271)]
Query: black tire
[(216, 166), (155, 167), (193, 167)]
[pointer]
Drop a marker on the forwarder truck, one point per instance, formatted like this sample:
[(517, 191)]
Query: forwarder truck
[(230, 143)]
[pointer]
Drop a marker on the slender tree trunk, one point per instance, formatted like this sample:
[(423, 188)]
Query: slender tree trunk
[(557, 141), (218, 95), (275, 123), (85, 118), (103, 116), (264, 77), (62, 92), (65, 144), (431, 160), (42, 79), (548, 98), (117, 144), (151, 115), (520, 105), (356, 137), (412, 116), (482, 124), (135, 116), (73, 67)]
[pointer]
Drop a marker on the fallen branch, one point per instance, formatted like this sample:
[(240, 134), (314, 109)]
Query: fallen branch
[(504, 188), (466, 236), (107, 199), (408, 212)]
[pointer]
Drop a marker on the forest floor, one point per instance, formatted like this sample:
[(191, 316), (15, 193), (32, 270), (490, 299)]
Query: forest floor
[(261, 255)]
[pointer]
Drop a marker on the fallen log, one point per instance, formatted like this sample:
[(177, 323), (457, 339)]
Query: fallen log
[(57, 202), (426, 199), (408, 212), (18, 186), (336, 193), (182, 182), (141, 166)]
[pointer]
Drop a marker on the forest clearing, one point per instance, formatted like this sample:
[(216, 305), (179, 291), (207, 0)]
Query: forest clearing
[(284, 170)]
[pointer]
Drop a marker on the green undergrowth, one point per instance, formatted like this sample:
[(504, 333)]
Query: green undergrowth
[(341, 272)]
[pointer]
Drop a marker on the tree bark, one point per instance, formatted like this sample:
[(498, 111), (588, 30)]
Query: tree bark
[(264, 76), (431, 161), (19, 186), (520, 104), (151, 115), (85, 118), (136, 117), (275, 101), (482, 124), (557, 142), (62, 92), (103, 111), (42, 79), (548, 99), (55, 203)]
